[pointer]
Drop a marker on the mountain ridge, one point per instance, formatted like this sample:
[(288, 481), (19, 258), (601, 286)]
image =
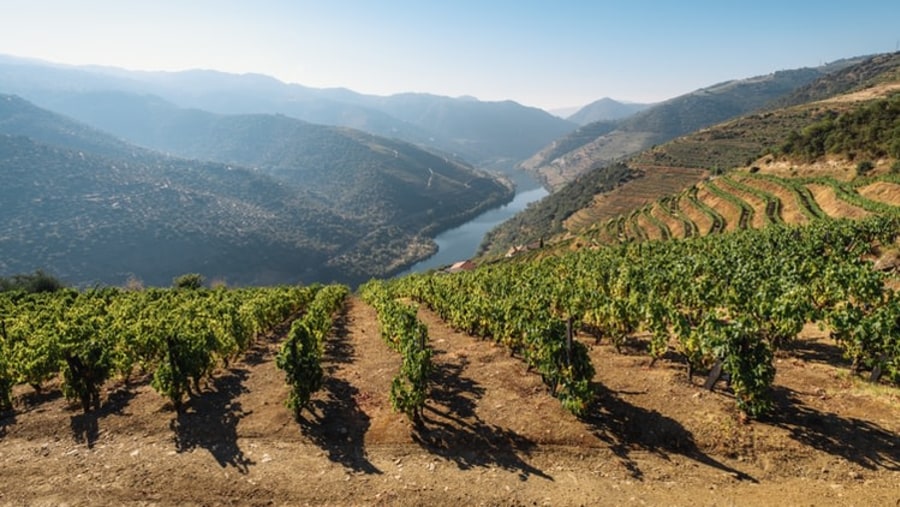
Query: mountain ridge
[(606, 109), (186, 204), (454, 125), (741, 142), (669, 119)]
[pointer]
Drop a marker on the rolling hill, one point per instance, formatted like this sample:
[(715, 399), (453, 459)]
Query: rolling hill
[(91, 208), (665, 121), (658, 193), (360, 174)]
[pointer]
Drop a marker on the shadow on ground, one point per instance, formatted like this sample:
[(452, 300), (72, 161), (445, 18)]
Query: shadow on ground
[(86, 426), (816, 351), (7, 418), (855, 440), (209, 421), (337, 423), (451, 428), (626, 428)]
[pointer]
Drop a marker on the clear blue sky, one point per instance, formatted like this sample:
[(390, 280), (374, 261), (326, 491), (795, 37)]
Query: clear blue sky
[(547, 54)]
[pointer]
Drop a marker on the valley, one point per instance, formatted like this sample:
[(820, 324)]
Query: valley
[(698, 307)]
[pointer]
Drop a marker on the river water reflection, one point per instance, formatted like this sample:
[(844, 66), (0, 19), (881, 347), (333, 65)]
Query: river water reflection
[(461, 242)]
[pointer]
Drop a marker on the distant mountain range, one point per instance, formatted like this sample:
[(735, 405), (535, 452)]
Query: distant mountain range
[(600, 143), (110, 173), (288, 201), (605, 109), (493, 135), (655, 172)]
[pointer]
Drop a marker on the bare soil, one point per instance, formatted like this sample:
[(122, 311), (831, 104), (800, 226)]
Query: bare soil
[(491, 435), (882, 191), (833, 205), (655, 183)]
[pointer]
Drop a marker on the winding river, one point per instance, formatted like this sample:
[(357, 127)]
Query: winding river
[(460, 243)]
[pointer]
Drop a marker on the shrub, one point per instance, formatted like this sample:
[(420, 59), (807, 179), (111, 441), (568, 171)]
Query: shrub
[(188, 281), (864, 167)]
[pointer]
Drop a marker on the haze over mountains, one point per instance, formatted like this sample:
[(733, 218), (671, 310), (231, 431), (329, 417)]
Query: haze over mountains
[(246, 178), (92, 208), (621, 194), (605, 109), (486, 134), (602, 142)]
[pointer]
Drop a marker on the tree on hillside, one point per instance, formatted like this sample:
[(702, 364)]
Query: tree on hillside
[(188, 281)]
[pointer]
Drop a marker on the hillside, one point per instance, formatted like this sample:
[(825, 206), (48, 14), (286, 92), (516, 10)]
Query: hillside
[(90, 219), (383, 181), (486, 134), (739, 143), (668, 120), (93, 209), (605, 109)]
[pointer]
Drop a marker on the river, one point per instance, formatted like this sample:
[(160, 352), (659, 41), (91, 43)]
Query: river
[(460, 243)]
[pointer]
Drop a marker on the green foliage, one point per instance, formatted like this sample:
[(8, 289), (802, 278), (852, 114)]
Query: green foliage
[(515, 306), (748, 359), (872, 130), (301, 354), (39, 281), (188, 281), (299, 358), (733, 298), (86, 337), (6, 374), (403, 332), (86, 346)]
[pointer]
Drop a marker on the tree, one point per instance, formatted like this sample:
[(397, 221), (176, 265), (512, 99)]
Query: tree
[(37, 282), (864, 167), (188, 281)]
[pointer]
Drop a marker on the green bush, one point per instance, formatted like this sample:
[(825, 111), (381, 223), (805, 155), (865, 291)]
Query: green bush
[(864, 167), (188, 281)]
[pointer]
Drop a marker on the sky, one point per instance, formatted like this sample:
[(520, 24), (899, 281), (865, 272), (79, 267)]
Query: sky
[(541, 53)]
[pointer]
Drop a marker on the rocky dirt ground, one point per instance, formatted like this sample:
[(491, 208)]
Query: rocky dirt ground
[(491, 436)]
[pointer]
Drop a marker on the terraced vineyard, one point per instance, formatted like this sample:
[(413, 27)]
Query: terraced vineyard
[(738, 200), (654, 183)]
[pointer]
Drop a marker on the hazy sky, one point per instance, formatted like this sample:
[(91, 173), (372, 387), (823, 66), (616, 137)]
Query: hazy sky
[(547, 54)]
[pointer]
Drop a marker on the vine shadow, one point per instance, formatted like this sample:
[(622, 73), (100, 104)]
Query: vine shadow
[(86, 426), (450, 428), (7, 419), (626, 427), (861, 442), (816, 352), (210, 420), (31, 400), (337, 424)]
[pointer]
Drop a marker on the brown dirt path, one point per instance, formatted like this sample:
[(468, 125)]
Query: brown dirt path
[(491, 436)]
